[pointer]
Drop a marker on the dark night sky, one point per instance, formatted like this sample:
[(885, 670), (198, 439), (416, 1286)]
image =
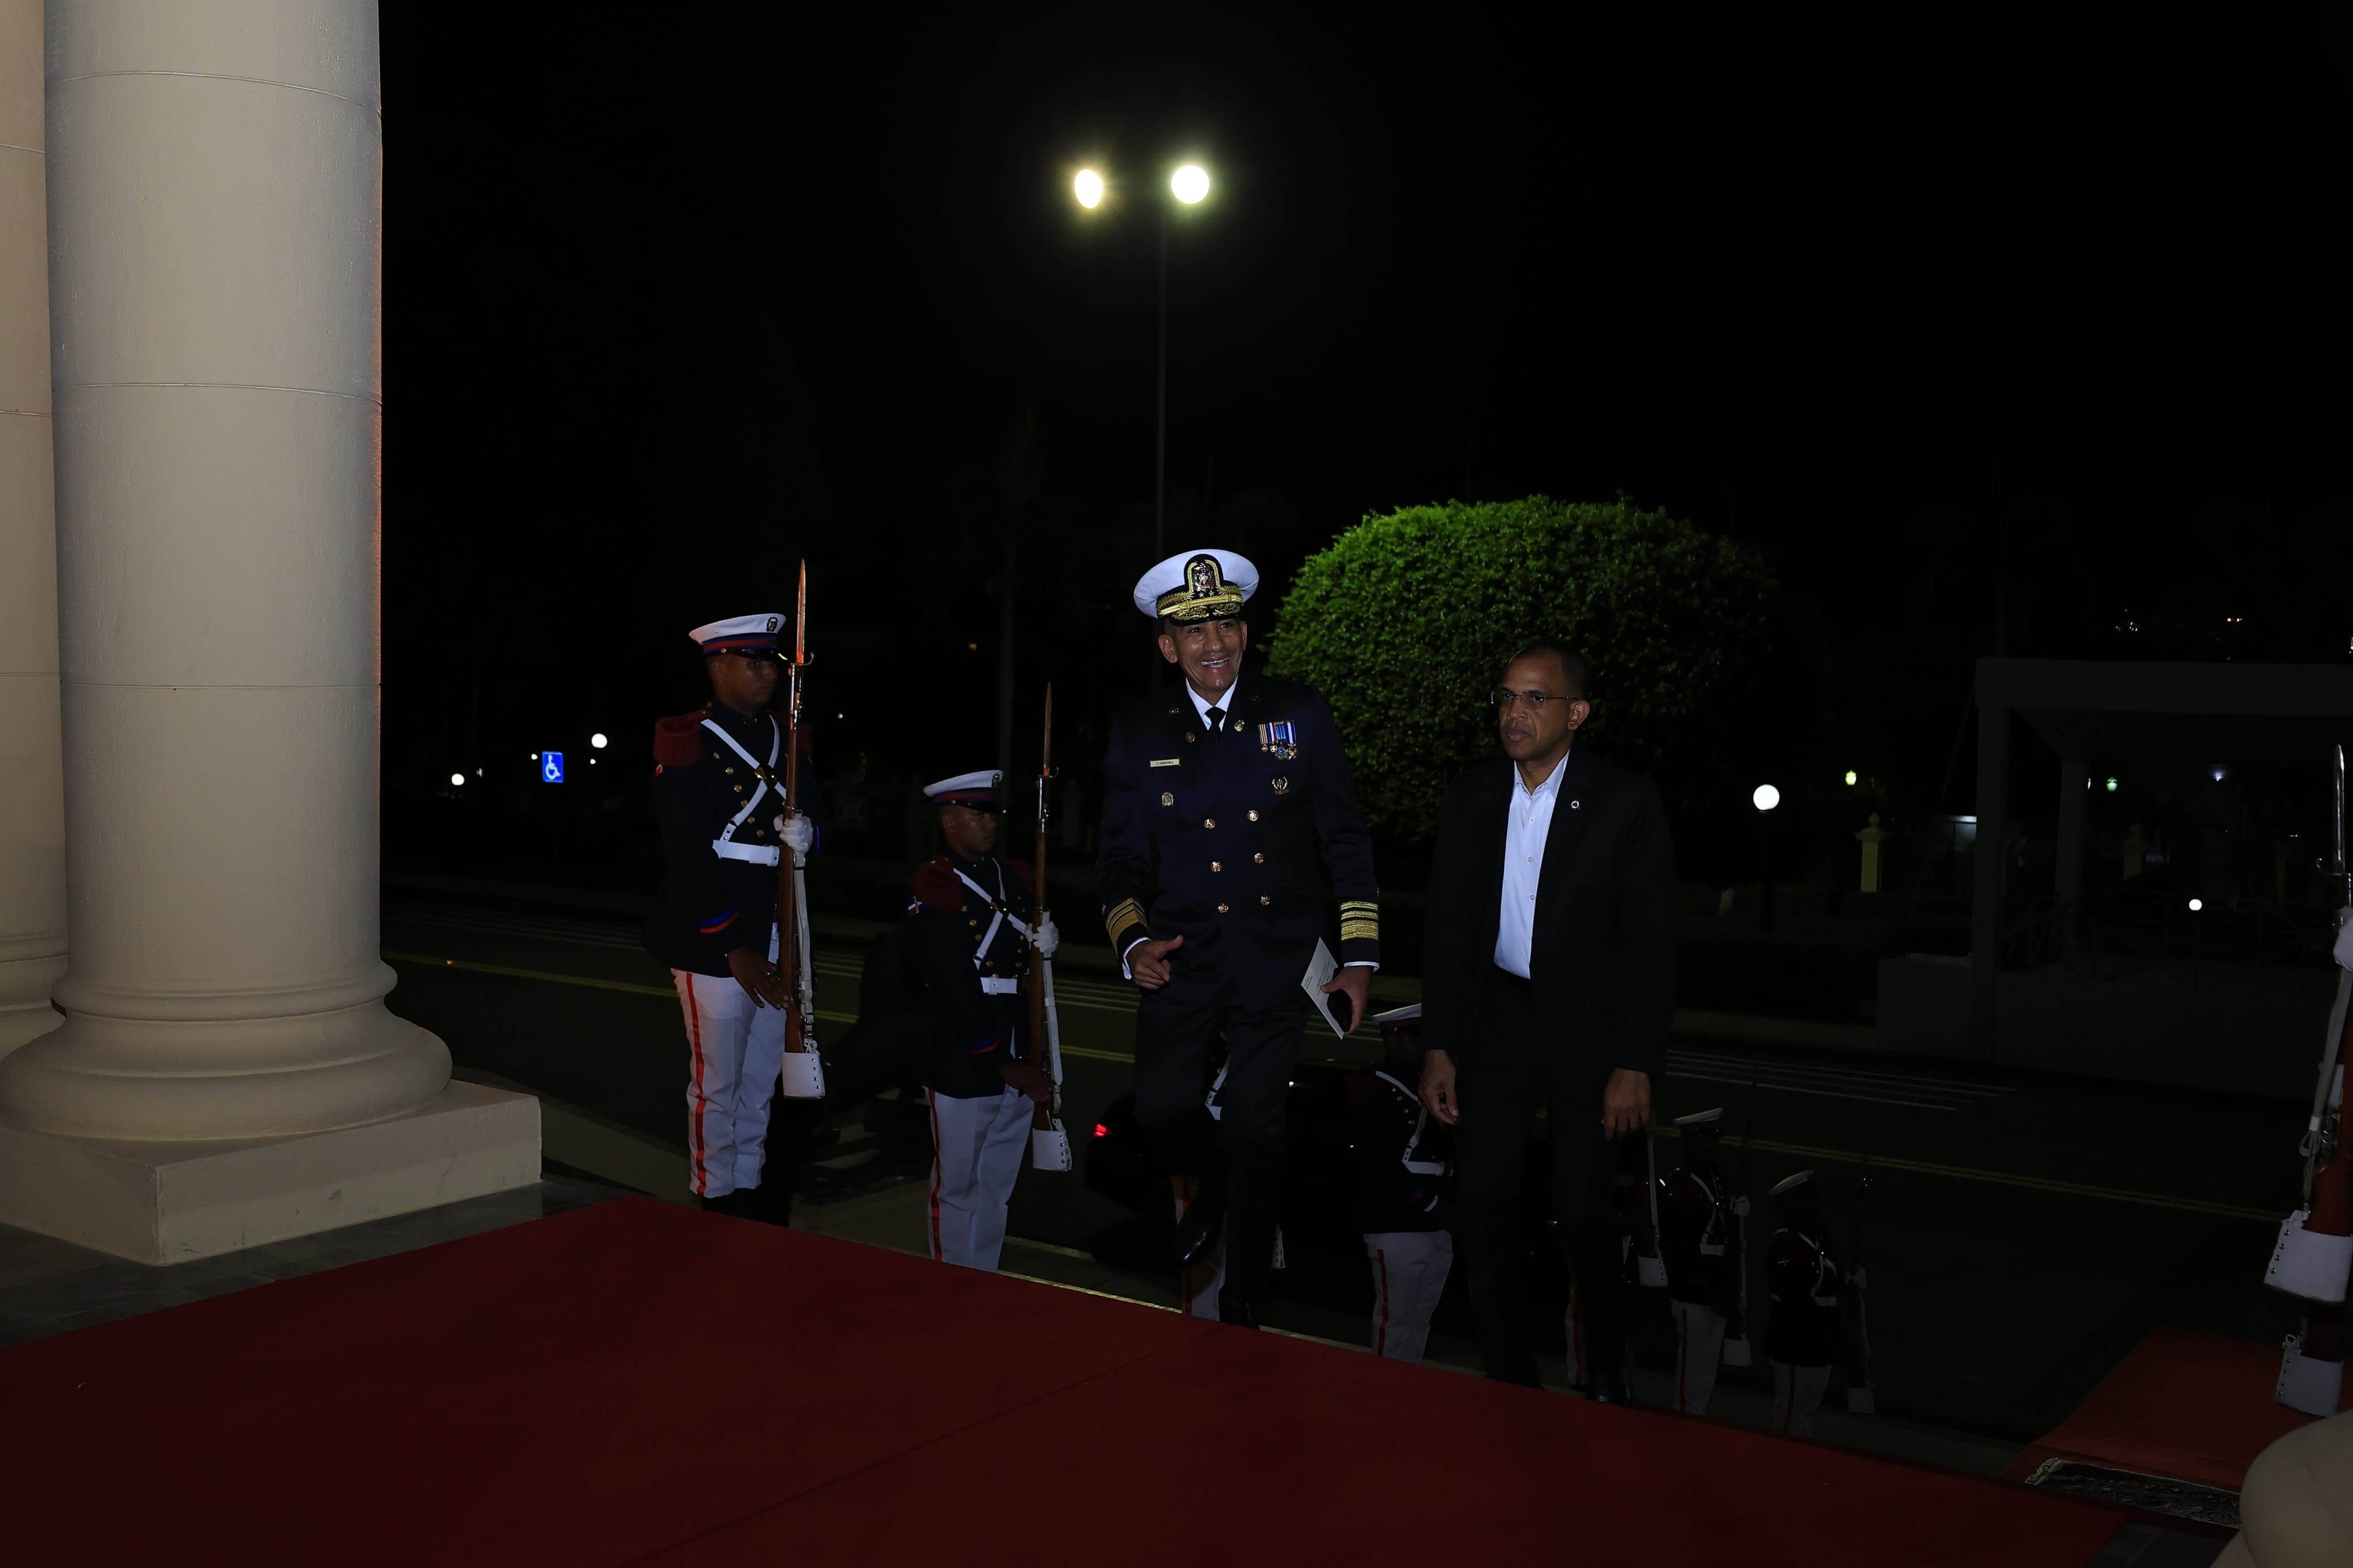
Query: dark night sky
[(1922, 318)]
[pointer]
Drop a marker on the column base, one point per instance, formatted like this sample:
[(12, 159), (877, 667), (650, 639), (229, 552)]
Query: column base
[(170, 1203)]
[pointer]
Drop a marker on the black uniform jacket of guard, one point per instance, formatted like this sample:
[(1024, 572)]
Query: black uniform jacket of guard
[(1802, 1280), (1393, 1134), (707, 907), (1602, 969), (963, 1034), (1225, 841)]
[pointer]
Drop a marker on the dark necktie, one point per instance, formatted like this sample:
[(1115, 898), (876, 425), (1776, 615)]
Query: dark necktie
[(1217, 717)]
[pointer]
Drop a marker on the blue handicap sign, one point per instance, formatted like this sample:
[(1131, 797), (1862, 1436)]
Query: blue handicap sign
[(551, 767)]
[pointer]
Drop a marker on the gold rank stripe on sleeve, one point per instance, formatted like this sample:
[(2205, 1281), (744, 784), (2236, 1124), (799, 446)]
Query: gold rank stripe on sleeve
[(1120, 919), (1360, 919)]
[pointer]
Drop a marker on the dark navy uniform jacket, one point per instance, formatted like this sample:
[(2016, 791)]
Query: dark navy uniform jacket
[(963, 1033), (1695, 1225), (1226, 841), (1401, 1153), (1803, 1280), (708, 906)]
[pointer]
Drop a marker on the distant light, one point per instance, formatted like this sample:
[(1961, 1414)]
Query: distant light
[(2112, 786), (1850, 778), (1089, 188), (598, 740), (972, 647), (2221, 773), (2197, 904), (456, 778), (534, 756), (1190, 183), (478, 772), (1765, 798), (1100, 1131), (591, 762), (842, 715)]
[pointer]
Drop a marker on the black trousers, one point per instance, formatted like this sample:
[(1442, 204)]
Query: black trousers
[(1241, 1151), (1499, 1087)]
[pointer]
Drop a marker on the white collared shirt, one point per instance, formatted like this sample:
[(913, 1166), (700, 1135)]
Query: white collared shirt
[(1524, 848), (1202, 705)]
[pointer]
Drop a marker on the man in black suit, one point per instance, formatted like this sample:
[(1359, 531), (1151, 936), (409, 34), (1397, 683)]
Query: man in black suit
[(1549, 973)]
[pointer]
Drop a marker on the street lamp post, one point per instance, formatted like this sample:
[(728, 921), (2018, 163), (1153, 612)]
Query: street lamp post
[(1190, 185), (1765, 799)]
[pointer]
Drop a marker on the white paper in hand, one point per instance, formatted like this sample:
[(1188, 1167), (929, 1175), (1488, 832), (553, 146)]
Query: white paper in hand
[(1320, 970)]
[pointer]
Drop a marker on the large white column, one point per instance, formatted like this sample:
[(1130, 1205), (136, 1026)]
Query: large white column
[(32, 787), (216, 204)]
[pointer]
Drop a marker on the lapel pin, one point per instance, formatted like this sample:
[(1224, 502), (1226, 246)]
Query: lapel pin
[(1575, 806)]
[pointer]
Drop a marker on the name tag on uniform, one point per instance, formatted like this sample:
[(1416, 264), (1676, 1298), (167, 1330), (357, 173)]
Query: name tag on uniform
[(1167, 762)]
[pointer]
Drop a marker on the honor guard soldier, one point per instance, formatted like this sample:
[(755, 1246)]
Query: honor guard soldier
[(1695, 1240), (1402, 1204), (966, 933), (1802, 1279), (1226, 802), (719, 801)]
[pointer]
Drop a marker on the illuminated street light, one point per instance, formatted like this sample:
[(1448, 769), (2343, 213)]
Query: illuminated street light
[(597, 739), (2112, 786), (2197, 904), (1190, 183), (456, 778), (1850, 778), (1089, 188), (1765, 798)]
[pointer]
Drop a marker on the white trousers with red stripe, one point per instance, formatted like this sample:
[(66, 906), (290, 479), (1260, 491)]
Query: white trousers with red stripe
[(1797, 1394), (976, 1149), (1699, 1350), (736, 1053), (1409, 1270)]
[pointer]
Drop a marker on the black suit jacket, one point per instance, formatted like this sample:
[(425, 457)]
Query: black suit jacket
[(1602, 963)]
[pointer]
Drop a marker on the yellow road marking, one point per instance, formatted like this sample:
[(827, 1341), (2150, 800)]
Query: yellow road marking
[(1803, 1151), (631, 986)]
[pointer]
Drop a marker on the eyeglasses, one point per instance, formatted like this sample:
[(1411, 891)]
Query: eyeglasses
[(1503, 698)]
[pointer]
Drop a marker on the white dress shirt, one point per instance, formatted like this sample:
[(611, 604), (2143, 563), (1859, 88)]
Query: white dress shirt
[(1202, 705), (1524, 848)]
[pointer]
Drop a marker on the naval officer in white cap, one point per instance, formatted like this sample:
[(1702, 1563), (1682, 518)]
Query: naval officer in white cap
[(718, 798), (1227, 803), (966, 933)]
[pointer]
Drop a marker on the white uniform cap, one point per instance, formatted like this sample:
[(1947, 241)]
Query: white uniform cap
[(967, 789), (1197, 586), (1701, 1118), (1791, 1184), (1410, 1014), (741, 632)]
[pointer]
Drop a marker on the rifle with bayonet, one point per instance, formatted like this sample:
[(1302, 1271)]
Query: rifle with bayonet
[(1856, 1321), (2314, 1251), (804, 1072), (1049, 1145), (1736, 1349)]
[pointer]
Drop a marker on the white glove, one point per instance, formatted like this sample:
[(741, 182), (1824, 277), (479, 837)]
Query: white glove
[(795, 833), (1048, 937), (2344, 939), (1740, 1208), (1860, 1280)]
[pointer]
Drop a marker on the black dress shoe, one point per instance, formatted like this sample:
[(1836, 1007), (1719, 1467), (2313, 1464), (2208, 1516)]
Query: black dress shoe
[(1198, 1232), (1608, 1388), (1235, 1312)]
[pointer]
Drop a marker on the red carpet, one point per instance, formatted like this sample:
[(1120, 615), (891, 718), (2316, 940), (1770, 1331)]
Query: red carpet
[(2197, 1407), (635, 1383)]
